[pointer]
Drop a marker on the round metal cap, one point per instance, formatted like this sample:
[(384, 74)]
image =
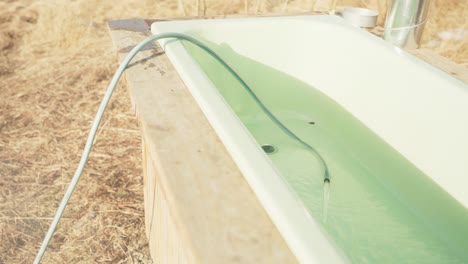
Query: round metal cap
[(360, 17)]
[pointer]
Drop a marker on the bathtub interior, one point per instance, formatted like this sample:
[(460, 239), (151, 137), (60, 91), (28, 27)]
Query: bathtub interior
[(386, 123)]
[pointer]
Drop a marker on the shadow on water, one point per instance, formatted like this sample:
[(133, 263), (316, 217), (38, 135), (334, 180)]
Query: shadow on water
[(379, 208), (326, 200)]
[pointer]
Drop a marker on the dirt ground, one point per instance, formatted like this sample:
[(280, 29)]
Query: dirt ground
[(56, 59)]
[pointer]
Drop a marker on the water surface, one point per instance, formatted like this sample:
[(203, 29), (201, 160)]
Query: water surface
[(380, 208)]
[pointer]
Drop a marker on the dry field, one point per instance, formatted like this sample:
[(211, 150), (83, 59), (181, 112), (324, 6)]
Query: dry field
[(56, 58)]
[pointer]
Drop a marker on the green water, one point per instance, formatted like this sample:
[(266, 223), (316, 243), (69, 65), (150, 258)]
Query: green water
[(380, 208)]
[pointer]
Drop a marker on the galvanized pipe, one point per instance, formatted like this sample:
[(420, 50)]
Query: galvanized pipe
[(405, 22)]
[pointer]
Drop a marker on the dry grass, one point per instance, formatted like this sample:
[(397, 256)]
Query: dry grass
[(55, 60)]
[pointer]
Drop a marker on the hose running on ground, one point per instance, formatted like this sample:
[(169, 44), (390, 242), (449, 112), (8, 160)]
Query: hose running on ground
[(105, 101)]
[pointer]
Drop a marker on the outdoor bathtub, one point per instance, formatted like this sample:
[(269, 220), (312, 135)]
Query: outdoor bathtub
[(392, 130)]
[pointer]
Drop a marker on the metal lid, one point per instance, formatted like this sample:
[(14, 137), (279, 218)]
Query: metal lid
[(360, 17)]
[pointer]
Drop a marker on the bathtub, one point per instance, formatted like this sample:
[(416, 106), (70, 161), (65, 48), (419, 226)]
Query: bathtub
[(392, 129)]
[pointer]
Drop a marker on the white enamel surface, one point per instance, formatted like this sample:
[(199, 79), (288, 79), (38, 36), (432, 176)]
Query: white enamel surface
[(419, 110)]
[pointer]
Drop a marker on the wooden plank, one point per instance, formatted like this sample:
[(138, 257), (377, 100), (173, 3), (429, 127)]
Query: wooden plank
[(201, 204), (166, 244)]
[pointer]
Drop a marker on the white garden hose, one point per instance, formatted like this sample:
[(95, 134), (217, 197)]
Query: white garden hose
[(105, 101)]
